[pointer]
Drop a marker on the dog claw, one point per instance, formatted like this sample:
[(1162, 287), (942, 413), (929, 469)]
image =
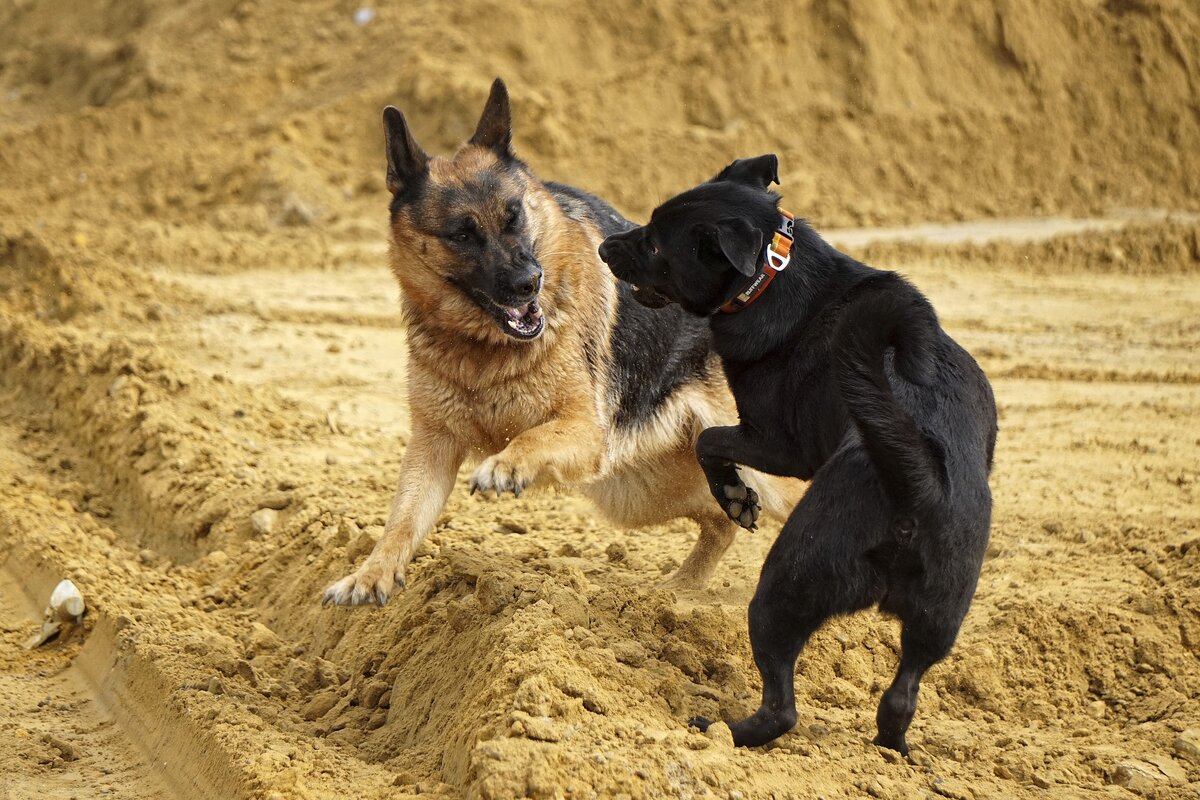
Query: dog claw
[(361, 590), (499, 477)]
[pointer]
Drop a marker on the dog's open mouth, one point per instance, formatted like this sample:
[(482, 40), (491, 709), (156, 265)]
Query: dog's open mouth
[(650, 298), (523, 322)]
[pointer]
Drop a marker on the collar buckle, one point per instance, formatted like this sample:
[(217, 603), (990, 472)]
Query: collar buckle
[(776, 257)]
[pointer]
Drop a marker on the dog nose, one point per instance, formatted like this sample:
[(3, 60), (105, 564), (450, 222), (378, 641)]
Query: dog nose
[(605, 250), (530, 281)]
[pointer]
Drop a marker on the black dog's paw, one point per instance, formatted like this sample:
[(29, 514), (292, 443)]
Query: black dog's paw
[(741, 504), (899, 745), (700, 723)]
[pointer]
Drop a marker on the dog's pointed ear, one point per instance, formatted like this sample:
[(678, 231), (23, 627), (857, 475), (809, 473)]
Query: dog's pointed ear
[(759, 172), (739, 242), (494, 130), (406, 161)]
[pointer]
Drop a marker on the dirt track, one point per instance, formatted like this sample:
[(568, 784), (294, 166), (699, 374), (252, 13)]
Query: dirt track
[(197, 322)]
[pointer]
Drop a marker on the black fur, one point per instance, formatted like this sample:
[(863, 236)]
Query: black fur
[(842, 375), (655, 352)]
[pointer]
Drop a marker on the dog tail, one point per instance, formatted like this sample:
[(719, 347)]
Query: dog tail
[(894, 315)]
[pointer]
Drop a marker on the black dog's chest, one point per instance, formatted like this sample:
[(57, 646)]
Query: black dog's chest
[(793, 399)]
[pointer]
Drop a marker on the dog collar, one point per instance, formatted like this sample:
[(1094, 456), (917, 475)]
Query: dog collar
[(776, 256)]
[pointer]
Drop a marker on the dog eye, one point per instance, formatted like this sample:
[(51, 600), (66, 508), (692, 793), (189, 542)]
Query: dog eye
[(461, 236)]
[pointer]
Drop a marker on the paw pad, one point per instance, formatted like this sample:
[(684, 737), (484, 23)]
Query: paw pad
[(742, 505)]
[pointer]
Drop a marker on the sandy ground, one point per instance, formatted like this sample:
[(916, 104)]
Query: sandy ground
[(530, 655), (197, 326)]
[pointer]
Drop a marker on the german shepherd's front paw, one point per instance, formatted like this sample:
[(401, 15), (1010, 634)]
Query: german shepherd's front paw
[(741, 504), (372, 584), (499, 475)]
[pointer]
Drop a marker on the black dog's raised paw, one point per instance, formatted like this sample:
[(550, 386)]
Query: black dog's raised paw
[(741, 504), (700, 723)]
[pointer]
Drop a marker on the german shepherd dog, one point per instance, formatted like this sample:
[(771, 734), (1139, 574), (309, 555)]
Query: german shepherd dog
[(527, 356), (842, 375)]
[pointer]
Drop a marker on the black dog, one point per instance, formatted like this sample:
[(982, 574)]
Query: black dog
[(842, 375)]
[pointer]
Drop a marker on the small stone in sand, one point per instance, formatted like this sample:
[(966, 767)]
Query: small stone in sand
[(263, 521)]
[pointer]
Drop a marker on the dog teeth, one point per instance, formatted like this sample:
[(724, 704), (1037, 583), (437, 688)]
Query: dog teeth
[(515, 318)]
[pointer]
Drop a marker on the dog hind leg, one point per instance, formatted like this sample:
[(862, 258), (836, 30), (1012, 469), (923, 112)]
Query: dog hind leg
[(776, 639), (814, 571), (716, 535), (923, 643)]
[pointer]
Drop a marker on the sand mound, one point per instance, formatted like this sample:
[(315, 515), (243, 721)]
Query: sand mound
[(880, 113)]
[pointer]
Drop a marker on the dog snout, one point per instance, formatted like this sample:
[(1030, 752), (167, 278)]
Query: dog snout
[(614, 253), (531, 281), (525, 277)]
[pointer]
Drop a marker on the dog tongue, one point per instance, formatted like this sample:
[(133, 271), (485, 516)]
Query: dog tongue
[(517, 313)]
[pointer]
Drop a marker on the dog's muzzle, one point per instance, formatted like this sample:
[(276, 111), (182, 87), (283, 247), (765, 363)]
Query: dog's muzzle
[(614, 252), (610, 254)]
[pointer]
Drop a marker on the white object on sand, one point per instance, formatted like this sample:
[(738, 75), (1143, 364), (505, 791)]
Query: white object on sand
[(66, 603), (66, 608)]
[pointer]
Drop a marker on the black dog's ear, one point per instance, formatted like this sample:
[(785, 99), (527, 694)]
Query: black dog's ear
[(759, 172), (406, 161), (494, 130), (739, 241)]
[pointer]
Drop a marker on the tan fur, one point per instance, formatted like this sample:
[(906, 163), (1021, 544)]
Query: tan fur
[(533, 410)]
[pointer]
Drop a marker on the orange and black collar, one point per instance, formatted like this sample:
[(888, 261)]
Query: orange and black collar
[(776, 257)]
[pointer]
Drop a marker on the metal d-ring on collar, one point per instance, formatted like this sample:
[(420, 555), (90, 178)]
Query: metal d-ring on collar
[(776, 256)]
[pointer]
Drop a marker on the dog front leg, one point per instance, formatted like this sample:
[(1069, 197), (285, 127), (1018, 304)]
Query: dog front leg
[(427, 475), (564, 450), (721, 449)]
